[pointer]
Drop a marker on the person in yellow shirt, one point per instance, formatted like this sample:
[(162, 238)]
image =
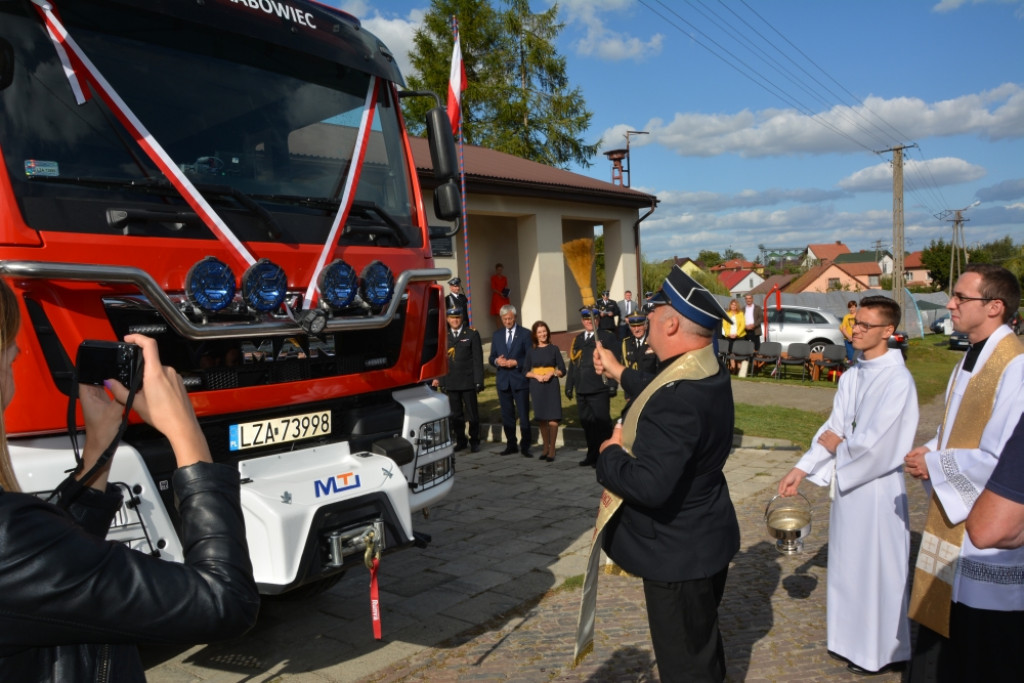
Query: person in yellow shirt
[(734, 327), (846, 327)]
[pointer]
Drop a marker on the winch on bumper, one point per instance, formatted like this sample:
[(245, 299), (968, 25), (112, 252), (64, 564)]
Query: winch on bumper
[(313, 518)]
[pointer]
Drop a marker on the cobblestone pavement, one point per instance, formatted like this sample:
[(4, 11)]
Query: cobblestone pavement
[(488, 599)]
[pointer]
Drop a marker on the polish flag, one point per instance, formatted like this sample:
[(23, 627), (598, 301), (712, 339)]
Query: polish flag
[(456, 84)]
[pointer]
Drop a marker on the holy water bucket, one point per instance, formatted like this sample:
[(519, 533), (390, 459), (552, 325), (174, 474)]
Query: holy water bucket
[(788, 522)]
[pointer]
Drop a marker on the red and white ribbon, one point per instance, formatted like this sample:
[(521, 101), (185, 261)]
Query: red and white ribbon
[(349, 193), (79, 67)]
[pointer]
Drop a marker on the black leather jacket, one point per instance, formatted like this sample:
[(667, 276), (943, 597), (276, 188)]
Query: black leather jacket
[(72, 605)]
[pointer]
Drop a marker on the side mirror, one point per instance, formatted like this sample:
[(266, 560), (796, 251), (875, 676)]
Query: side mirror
[(448, 201), (442, 145)]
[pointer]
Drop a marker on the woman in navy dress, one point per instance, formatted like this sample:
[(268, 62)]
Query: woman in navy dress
[(544, 365)]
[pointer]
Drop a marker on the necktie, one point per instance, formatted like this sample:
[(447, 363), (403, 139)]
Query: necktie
[(508, 341), (638, 343), (588, 337)]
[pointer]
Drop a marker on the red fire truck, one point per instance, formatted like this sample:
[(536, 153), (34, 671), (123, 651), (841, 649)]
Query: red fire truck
[(234, 179)]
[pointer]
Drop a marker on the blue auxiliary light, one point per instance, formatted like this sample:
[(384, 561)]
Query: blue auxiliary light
[(264, 286), (338, 284), (378, 284), (210, 284)]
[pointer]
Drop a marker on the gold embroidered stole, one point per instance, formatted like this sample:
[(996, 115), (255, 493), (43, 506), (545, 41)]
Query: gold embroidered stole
[(695, 365), (935, 568)]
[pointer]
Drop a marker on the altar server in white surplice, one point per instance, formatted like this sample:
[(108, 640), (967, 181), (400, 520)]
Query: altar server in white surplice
[(858, 453)]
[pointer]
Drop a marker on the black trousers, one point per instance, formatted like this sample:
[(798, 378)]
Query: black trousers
[(516, 402), (465, 409), (982, 646), (683, 616), (596, 420)]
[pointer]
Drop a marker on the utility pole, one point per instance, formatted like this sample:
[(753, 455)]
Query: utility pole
[(897, 226), (958, 246)]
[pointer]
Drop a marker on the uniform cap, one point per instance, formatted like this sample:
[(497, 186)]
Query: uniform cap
[(455, 282), (691, 299), (637, 319), (454, 311), (587, 312)]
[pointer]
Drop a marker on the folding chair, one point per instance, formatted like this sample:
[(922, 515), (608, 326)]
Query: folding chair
[(833, 356), (768, 353), (796, 354), (742, 350)]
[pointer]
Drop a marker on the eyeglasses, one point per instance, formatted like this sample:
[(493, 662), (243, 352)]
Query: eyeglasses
[(960, 298), (864, 327)]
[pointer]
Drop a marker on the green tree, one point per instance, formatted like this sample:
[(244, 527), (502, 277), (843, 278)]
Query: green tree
[(654, 274), (937, 257), (730, 254), (518, 98), (709, 258)]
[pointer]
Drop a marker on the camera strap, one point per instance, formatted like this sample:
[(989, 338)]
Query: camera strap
[(72, 487)]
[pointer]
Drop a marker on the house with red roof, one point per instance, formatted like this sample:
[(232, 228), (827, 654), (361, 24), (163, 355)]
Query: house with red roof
[(739, 282), (915, 272), (817, 254), (831, 277)]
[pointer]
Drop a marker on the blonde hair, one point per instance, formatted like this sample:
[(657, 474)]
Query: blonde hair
[(10, 320)]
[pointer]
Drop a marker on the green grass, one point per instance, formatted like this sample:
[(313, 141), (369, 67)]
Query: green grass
[(929, 360)]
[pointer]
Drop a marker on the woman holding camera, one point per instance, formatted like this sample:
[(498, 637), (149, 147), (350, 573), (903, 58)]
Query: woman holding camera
[(72, 605)]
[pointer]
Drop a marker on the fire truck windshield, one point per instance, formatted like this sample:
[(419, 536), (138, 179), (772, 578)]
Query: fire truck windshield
[(246, 121)]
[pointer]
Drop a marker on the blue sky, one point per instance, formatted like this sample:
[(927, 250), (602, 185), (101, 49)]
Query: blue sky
[(787, 156)]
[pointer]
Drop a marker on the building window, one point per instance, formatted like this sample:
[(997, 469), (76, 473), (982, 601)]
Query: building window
[(873, 280), (833, 283)]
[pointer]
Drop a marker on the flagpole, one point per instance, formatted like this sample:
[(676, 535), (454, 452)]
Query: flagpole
[(465, 223)]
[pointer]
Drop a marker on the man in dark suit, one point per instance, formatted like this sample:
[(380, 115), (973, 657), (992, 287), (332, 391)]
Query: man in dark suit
[(465, 379), (676, 526), (608, 313), (593, 392), (753, 316), (508, 354), (456, 299)]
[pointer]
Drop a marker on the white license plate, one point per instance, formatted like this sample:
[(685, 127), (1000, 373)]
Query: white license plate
[(278, 430)]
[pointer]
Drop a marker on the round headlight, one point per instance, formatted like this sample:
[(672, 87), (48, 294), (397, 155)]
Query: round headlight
[(264, 286), (210, 284), (378, 285), (338, 284)]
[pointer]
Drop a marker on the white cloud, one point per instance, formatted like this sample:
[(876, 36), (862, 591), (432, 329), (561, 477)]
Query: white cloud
[(996, 114), (395, 31), (933, 172), (952, 5), (604, 43)]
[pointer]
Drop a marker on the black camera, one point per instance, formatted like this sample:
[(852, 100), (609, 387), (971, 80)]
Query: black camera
[(102, 360)]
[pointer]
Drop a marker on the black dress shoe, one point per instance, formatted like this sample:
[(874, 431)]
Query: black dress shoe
[(461, 447), (509, 450), (861, 671), (587, 463), (475, 448), (527, 453)]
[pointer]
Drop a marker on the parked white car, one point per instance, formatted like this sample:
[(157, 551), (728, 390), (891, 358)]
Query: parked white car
[(803, 325)]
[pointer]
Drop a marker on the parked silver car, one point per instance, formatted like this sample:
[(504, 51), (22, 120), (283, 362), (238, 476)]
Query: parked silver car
[(803, 325)]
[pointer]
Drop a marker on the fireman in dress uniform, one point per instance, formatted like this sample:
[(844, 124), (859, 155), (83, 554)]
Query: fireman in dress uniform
[(465, 379), (593, 392), (636, 354), (608, 313), (456, 299)]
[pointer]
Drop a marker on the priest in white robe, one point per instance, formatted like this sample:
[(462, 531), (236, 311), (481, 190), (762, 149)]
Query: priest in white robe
[(978, 634), (858, 453)]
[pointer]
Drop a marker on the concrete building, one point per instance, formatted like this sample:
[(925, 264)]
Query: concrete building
[(519, 214)]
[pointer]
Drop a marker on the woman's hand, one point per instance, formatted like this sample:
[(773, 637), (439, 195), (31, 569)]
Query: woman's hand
[(163, 403), (102, 420)]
